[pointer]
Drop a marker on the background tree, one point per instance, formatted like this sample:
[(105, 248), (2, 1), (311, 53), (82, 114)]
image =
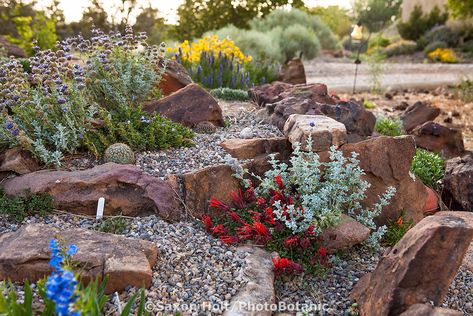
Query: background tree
[(461, 8), (376, 14), (199, 16), (94, 14), (336, 17), (153, 24)]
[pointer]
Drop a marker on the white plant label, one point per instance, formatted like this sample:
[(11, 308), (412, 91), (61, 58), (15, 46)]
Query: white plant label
[(100, 206)]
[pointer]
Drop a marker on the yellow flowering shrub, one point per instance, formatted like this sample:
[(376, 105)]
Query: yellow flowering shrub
[(216, 63), (192, 52), (444, 55)]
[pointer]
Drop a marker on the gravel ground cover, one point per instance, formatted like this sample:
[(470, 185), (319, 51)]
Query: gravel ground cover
[(333, 289), (192, 266), (207, 150)]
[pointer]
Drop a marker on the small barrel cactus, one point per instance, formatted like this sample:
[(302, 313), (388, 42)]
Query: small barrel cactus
[(205, 127), (119, 153)]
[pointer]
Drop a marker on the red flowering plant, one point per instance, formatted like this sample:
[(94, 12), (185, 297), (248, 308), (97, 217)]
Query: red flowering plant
[(294, 203), (250, 218)]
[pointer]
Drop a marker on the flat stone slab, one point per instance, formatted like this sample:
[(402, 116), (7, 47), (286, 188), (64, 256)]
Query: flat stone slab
[(324, 131), (126, 189), (25, 254), (251, 148), (259, 290)]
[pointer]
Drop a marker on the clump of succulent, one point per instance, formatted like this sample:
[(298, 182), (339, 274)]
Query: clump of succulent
[(119, 153), (229, 94), (205, 127), (389, 126), (428, 166), (113, 225)]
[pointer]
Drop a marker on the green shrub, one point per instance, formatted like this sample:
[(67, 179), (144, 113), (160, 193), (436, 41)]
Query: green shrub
[(441, 33), (401, 47), (46, 113), (389, 126), (260, 45), (282, 35), (137, 129), (230, 94), (433, 46), (114, 225), (464, 90), (285, 19), (396, 230), (419, 23), (428, 166), (298, 39), (27, 204)]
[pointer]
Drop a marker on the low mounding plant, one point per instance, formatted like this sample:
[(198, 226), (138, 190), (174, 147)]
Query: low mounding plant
[(401, 47), (443, 55), (27, 204), (442, 33), (294, 203), (389, 126), (216, 63), (396, 230), (46, 112), (419, 23), (61, 293), (230, 94), (434, 46), (58, 108), (428, 166), (465, 90)]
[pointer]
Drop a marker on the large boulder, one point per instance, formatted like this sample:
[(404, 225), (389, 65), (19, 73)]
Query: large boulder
[(417, 114), (468, 218), (324, 131), (293, 72), (218, 182), (282, 99), (251, 148), (211, 182), (458, 183), (126, 190), (188, 106), (18, 160), (418, 269), (386, 162), (446, 141), (175, 77), (25, 254)]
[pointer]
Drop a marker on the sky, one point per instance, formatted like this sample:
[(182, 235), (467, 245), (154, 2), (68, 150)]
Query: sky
[(73, 8)]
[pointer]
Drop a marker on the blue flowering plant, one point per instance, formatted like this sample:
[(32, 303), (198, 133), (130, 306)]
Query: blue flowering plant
[(61, 285)]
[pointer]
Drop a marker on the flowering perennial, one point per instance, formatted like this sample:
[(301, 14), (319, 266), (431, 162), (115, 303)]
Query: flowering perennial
[(294, 203), (61, 284)]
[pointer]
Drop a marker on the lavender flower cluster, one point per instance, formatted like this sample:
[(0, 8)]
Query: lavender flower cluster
[(49, 109)]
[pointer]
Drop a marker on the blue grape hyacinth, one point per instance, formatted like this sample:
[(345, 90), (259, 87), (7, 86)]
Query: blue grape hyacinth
[(61, 284)]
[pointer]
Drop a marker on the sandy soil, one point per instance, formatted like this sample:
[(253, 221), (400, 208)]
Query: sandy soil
[(338, 74), (460, 113)]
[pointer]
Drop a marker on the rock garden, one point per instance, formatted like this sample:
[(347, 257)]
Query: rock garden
[(140, 179)]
